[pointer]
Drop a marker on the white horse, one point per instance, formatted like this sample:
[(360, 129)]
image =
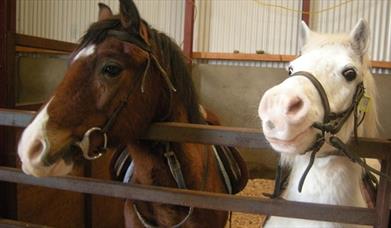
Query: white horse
[(339, 63)]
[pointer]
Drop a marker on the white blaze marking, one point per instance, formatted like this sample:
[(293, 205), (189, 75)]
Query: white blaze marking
[(36, 130), (89, 50)]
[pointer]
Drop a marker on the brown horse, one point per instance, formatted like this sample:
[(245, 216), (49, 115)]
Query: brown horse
[(124, 76)]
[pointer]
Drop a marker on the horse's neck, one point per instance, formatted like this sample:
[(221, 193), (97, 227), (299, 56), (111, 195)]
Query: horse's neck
[(331, 180)]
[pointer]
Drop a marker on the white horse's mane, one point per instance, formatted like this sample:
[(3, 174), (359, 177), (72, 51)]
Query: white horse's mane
[(370, 126)]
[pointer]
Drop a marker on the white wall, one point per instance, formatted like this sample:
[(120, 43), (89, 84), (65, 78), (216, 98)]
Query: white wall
[(272, 26), (343, 19), (67, 20), (220, 25)]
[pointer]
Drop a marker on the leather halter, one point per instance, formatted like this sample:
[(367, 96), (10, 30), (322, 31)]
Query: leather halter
[(331, 125), (332, 122), (84, 144)]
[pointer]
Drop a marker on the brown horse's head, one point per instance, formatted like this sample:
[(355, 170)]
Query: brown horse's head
[(123, 76)]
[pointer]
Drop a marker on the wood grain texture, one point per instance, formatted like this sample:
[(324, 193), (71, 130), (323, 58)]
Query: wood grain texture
[(263, 57)]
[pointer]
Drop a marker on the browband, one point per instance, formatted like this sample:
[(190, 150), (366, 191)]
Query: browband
[(130, 38)]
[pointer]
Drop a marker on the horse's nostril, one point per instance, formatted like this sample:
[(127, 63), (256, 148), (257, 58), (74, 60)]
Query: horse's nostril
[(37, 148), (294, 105), (270, 125)]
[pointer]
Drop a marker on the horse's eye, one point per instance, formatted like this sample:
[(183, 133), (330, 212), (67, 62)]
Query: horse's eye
[(349, 74), (111, 70), (290, 70)]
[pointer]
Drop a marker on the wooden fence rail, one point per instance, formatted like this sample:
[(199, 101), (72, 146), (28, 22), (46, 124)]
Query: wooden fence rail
[(253, 138), (198, 199), (217, 135)]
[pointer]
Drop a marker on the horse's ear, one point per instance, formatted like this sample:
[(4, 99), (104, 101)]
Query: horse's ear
[(144, 32), (304, 33), (360, 36), (130, 17), (104, 12)]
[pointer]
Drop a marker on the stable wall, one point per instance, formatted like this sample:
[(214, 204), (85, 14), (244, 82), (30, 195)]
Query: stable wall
[(232, 92), (246, 26)]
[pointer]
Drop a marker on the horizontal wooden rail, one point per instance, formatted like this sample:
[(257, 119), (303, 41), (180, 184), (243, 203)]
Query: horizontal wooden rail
[(197, 199), (263, 57), (219, 135), (43, 43), (242, 56), (15, 118), (26, 43), (22, 49)]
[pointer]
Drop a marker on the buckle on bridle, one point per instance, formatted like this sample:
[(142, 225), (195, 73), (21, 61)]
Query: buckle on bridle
[(84, 144)]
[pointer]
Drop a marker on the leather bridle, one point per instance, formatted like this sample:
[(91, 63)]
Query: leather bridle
[(84, 144), (331, 125), (67, 151)]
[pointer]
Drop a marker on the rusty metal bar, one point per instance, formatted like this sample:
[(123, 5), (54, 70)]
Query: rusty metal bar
[(383, 196), (188, 28), (215, 201), (305, 11)]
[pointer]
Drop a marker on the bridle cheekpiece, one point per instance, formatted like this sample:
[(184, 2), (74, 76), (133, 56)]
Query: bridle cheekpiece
[(135, 39), (332, 124)]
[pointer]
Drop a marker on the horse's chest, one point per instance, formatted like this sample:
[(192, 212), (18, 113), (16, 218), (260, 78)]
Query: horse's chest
[(333, 180)]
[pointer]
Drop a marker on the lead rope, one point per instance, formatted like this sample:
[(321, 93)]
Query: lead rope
[(337, 143), (315, 148), (176, 172), (332, 122)]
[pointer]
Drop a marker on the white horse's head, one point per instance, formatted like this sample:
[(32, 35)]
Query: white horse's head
[(339, 63)]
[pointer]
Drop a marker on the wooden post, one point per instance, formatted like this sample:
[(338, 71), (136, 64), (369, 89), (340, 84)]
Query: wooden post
[(7, 100), (188, 29), (383, 195), (306, 7)]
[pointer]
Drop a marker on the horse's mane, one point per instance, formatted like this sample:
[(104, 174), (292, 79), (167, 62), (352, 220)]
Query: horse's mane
[(174, 60), (171, 58)]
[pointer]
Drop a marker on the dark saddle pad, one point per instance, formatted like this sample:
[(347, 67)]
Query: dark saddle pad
[(234, 166), (231, 159)]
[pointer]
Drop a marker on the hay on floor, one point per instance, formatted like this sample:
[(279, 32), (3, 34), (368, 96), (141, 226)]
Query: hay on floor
[(254, 188)]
